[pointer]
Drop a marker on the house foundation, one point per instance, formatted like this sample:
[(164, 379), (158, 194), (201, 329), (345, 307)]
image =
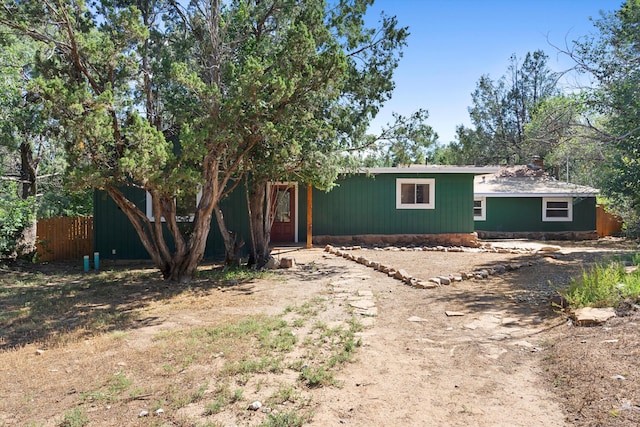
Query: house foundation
[(539, 235), (452, 239)]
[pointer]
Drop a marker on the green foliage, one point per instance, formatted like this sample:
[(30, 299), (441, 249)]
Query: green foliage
[(604, 286), (408, 140), (74, 418), (177, 97), (286, 419), (500, 111), (15, 215), (610, 57)]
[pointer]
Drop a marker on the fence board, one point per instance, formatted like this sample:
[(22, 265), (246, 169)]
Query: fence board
[(607, 224), (64, 238)]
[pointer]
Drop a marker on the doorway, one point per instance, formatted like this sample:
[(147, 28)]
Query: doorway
[(283, 204)]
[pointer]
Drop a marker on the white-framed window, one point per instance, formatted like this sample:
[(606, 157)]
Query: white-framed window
[(415, 193), (557, 209), (479, 209), (185, 207)]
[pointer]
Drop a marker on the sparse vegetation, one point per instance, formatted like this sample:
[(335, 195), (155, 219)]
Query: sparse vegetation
[(286, 419), (74, 418), (605, 285), (219, 368)]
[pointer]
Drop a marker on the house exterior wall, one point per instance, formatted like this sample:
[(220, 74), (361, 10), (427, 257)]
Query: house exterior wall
[(367, 205), (113, 231), (359, 205), (524, 214)]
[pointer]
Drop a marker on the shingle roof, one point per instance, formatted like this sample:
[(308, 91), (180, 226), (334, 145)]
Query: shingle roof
[(528, 186)]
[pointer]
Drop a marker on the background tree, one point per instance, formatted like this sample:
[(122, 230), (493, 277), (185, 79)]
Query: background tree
[(406, 141), (612, 59), (501, 109), (31, 154)]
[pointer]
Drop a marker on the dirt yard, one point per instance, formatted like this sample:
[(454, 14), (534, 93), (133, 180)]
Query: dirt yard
[(478, 352)]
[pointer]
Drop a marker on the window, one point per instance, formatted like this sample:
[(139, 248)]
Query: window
[(283, 205), (416, 193), (479, 209), (557, 209), (185, 207)]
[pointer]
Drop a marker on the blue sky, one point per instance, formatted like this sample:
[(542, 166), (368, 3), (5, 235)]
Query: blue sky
[(454, 42)]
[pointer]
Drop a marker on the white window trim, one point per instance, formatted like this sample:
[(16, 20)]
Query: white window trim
[(149, 209), (483, 209), (569, 202), (295, 201), (431, 182)]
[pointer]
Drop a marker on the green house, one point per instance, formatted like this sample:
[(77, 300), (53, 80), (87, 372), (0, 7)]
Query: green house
[(533, 206), (404, 205)]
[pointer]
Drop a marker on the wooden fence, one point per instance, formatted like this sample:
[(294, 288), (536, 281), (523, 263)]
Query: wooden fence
[(607, 224), (65, 237)]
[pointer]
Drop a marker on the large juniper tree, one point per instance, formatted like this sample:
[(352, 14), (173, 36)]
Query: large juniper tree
[(172, 98)]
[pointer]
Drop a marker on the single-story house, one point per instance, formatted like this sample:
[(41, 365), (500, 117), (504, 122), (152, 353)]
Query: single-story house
[(525, 202), (399, 205)]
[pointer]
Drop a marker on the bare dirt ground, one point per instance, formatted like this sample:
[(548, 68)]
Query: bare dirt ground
[(490, 352)]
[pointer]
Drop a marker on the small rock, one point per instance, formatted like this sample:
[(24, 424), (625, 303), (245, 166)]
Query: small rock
[(287, 262), (550, 248), (559, 301), (272, 264), (444, 280), (254, 406), (453, 313)]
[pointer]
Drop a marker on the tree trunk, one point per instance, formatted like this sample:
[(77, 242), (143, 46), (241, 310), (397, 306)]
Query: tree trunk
[(260, 223), (26, 242), (181, 264), (232, 245)]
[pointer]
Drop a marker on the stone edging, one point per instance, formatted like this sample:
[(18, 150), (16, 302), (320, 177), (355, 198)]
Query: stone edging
[(435, 282)]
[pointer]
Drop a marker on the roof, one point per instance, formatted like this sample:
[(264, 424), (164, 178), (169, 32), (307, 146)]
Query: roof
[(475, 170), (528, 186)]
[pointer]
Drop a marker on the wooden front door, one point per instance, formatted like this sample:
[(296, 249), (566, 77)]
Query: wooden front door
[(283, 208)]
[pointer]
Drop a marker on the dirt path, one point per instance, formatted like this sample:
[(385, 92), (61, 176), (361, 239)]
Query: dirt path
[(419, 366)]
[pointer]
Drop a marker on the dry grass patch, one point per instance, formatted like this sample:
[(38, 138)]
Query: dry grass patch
[(101, 348)]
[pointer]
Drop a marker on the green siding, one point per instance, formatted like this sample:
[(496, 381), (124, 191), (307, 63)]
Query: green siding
[(358, 205), (113, 231), (524, 214), (367, 205)]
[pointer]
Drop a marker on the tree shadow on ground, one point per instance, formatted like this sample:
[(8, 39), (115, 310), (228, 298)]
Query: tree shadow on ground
[(529, 293), (42, 303)]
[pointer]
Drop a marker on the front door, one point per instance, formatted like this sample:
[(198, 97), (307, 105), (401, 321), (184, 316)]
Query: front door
[(282, 203)]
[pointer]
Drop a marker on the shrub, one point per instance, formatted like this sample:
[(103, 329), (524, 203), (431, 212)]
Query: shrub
[(15, 215)]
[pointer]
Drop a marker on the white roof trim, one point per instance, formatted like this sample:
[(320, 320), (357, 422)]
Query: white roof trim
[(480, 194), (476, 170)]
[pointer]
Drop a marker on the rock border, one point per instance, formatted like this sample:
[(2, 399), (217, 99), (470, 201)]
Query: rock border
[(435, 282)]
